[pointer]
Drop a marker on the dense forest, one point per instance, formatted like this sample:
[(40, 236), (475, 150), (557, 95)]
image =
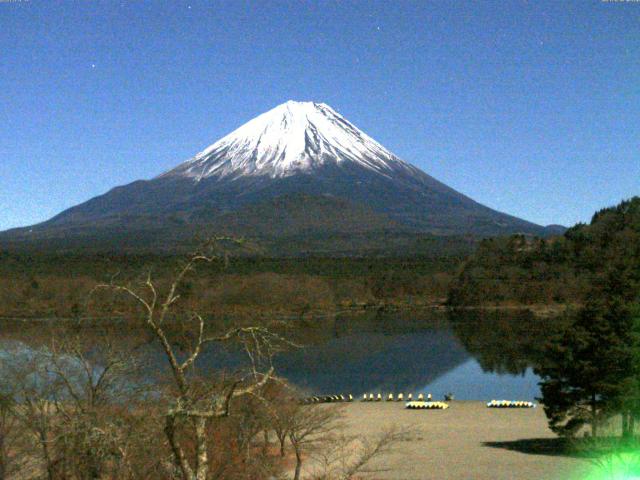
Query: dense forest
[(521, 270), (503, 272), (49, 285)]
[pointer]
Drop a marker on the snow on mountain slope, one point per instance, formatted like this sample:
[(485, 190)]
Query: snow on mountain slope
[(295, 137), (299, 171)]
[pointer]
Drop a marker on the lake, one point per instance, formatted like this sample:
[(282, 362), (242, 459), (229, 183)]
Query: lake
[(476, 355)]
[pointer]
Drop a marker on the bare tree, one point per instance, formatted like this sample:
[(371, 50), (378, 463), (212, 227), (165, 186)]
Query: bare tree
[(33, 394), (7, 429), (347, 457), (77, 406), (99, 397), (281, 405), (195, 403), (281, 423), (310, 427)]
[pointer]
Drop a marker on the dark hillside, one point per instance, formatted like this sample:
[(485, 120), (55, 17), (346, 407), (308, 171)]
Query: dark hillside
[(55, 285), (520, 270)]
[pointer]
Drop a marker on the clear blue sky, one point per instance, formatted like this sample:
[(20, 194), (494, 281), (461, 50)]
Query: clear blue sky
[(532, 108)]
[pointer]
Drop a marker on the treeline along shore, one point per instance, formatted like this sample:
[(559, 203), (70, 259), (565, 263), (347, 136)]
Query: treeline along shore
[(561, 270), (49, 285), (545, 275)]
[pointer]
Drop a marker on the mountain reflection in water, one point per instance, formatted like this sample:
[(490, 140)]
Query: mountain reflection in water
[(361, 362), (476, 355)]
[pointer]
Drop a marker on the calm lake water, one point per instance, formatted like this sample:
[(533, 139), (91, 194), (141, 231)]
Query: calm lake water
[(474, 355)]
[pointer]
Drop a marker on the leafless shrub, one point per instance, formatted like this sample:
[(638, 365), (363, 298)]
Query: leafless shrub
[(76, 408)]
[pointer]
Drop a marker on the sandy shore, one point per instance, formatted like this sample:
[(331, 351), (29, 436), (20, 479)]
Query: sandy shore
[(466, 441)]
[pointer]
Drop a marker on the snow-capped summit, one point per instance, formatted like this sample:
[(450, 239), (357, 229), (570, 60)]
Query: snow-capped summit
[(299, 178), (294, 137)]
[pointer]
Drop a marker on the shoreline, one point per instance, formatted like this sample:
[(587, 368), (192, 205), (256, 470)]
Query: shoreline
[(539, 310)]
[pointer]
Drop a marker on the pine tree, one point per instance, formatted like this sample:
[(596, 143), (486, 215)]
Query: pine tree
[(592, 370)]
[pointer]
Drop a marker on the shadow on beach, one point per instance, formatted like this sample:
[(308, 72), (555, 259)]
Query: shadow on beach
[(554, 447)]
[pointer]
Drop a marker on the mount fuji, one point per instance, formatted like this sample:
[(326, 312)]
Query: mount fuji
[(293, 138), (299, 177)]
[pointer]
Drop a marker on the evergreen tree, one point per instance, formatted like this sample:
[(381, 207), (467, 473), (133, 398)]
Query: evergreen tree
[(592, 370)]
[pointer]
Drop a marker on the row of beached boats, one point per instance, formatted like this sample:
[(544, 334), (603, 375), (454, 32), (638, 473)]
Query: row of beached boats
[(327, 399), (426, 405), (510, 404), (421, 403), (398, 398)]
